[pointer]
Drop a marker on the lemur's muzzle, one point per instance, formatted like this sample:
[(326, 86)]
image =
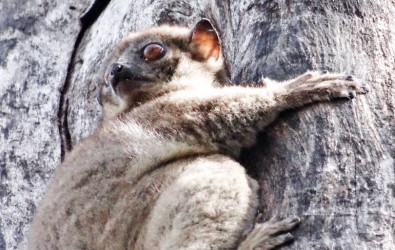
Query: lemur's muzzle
[(119, 72)]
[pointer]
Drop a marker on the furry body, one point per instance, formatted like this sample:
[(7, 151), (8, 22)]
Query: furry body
[(160, 172)]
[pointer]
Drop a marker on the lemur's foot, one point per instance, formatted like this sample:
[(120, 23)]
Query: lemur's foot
[(270, 234)]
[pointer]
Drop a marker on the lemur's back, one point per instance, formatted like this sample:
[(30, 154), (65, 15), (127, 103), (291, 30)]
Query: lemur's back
[(100, 208), (106, 204)]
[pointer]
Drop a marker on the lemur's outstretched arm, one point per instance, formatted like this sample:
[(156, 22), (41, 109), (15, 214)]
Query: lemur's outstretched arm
[(229, 118)]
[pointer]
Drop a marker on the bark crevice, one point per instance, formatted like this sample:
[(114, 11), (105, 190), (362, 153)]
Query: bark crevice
[(86, 20)]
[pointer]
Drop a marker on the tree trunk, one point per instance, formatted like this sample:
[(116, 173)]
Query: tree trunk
[(330, 163), (36, 44)]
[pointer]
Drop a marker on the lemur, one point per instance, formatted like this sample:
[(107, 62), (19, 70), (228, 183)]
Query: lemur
[(161, 170)]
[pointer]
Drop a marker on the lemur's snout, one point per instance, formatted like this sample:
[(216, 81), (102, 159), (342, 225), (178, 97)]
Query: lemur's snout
[(115, 74), (125, 72)]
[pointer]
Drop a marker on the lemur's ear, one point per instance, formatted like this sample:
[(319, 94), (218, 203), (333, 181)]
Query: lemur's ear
[(204, 41)]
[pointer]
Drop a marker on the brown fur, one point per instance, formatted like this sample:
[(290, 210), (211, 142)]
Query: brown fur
[(160, 172)]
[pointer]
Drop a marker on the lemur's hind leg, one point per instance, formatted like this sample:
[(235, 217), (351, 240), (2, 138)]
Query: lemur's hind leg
[(209, 206)]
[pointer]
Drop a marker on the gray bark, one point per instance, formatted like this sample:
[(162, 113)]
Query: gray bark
[(36, 43), (332, 163)]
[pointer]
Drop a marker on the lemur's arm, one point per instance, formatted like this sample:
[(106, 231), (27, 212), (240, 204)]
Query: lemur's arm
[(229, 118)]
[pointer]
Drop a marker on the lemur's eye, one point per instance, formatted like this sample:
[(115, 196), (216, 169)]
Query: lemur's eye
[(153, 52)]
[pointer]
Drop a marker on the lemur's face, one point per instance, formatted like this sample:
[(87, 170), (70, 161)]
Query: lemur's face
[(145, 62)]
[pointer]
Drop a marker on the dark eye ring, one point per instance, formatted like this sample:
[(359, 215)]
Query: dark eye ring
[(153, 51)]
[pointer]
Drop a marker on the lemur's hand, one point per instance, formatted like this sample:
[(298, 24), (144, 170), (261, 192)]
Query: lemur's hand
[(332, 85)]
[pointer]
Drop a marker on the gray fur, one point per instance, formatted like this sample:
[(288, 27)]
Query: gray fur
[(159, 173)]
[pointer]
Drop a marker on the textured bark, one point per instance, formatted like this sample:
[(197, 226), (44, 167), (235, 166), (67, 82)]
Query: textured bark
[(332, 164), (37, 40)]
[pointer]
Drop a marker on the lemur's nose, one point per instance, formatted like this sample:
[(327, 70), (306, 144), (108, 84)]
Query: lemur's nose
[(115, 74), (116, 69)]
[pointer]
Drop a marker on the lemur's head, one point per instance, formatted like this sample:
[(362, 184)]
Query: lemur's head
[(151, 63)]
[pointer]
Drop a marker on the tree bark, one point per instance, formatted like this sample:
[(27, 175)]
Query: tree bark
[(36, 44), (332, 164)]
